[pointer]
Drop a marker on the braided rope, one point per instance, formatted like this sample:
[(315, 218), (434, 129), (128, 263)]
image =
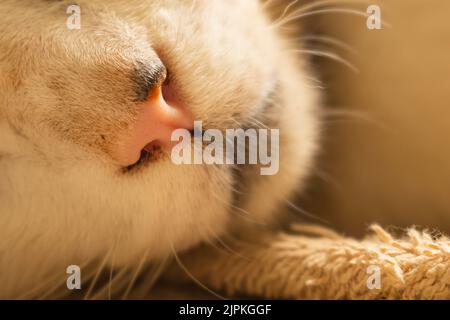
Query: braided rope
[(328, 266)]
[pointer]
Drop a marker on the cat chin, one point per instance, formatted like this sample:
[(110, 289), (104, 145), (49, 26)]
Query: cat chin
[(173, 208), (86, 213)]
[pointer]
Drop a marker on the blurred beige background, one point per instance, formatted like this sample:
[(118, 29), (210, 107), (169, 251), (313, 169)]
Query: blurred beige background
[(390, 162)]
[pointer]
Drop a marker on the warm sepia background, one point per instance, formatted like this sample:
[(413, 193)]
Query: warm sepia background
[(390, 161)]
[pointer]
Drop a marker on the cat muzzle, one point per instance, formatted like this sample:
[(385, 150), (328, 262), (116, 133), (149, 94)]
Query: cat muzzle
[(157, 118)]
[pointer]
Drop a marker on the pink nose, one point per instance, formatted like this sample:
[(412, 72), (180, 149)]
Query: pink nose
[(157, 118)]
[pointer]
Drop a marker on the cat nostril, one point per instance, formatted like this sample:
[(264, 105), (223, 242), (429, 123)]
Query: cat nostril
[(153, 146), (168, 95)]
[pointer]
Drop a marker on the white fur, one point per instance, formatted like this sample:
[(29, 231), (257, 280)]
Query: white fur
[(63, 199)]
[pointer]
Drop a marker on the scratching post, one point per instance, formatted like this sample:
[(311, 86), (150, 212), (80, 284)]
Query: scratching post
[(315, 263)]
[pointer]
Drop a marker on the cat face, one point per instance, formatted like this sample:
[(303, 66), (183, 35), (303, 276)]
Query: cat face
[(72, 183)]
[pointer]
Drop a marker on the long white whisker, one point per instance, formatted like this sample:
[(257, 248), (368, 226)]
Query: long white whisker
[(327, 178), (117, 278), (102, 265), (328, 40), (154, 276), (192, 277), (319, 12), (305, 213), (245, 214), (328, 55), (357, 115), (225, 246), (286, 9), (135, 274)]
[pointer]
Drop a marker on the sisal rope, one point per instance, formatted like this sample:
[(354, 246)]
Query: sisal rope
[(325, 265)]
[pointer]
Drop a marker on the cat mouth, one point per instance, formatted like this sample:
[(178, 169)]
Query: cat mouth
[(155, 150)]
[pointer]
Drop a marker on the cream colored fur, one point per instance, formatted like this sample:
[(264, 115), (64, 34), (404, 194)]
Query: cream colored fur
[(66, 98)]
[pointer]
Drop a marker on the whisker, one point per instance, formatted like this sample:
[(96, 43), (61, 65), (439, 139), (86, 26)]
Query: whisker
[(317, 4), (329, 40), (46, 286), (260, 124), (211, 238), (155, 273), (267, 3), (305, 213), (245, 214), (135, 275), (111, 275), (286, 9), (356, 115), (118, 277), (329, 55), (323, 11), (225, 246), (193, 278), (319, 83), (102, 265), (327, 178), (41, 288)]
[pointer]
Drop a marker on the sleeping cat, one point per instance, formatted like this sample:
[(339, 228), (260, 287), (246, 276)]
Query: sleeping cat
[(78, 182)]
